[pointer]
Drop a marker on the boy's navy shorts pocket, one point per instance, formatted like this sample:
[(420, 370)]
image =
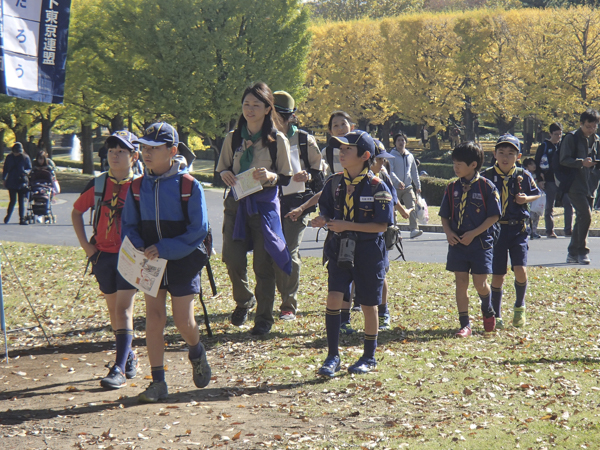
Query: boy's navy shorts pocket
[(104, 267), (181, 289), (475, 258), (368, 273), (514, 241)]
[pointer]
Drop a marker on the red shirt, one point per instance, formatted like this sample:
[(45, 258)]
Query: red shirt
[(106, 242)]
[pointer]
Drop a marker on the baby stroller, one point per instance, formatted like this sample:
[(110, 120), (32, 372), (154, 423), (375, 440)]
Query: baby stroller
[(40, 197)]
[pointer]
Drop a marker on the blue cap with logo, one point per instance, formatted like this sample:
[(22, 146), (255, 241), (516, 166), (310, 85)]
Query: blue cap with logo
[(122, 138), (509, 139), (361, 139), (380, 151), (158, 134)]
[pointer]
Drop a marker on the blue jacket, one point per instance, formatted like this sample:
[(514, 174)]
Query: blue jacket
[(161, 222), (16, 168)]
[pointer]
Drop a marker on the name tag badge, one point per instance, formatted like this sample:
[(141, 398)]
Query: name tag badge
[(367, 199), (477, 196)]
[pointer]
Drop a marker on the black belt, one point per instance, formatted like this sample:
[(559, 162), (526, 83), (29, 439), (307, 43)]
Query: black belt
[(511, 222)]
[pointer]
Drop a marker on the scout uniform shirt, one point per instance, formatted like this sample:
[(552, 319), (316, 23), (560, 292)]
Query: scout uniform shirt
[(230, 158), (482, 201)]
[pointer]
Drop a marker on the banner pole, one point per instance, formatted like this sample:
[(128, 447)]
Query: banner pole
[(2, 321)]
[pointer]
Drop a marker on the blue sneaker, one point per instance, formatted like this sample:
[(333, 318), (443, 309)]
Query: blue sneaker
[(362, 366), (131, 366), (384, 321), (330, 366), (346, 328)]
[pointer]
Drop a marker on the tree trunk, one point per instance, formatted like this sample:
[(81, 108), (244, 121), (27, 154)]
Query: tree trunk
[(87, 148), (21, 135), (117, 123), (434, 144), (385, 133), (363, 124), (98, 131), (183, 135), (130, 124), (469, 119), (46, 129), (504, 126)]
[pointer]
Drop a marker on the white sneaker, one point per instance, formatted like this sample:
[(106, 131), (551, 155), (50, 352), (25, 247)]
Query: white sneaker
[(415, 233)]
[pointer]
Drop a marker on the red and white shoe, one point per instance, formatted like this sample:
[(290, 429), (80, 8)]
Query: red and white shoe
[(489, 324), (463, 332)]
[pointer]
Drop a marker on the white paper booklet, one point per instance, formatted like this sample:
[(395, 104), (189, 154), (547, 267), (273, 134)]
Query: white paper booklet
[(139, 271), (246, 184), (295, 187)]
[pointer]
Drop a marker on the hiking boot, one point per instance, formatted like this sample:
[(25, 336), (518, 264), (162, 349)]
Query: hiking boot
[(201, 370), (499, 323), (115, 379), (489, 324), (131, 366), (415, 233), (572, 259), (330, 366), (384, 321), (261, 329), (463, 332), (287, 315), (584, 259), (519, 319), (240, 315), (156, 392), (346, 328), (362, 366)]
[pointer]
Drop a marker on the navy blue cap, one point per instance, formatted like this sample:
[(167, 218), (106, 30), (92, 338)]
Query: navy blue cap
[(158, 134), (380, 151), (510, 140), (123, 138), (361, 139)]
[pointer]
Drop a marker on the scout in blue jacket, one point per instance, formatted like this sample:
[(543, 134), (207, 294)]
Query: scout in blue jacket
[(517, 188), (469, 208), (156, 223), (357, 208)]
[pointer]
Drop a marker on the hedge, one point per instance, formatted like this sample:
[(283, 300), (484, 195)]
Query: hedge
[(432, 189), (439, 170)]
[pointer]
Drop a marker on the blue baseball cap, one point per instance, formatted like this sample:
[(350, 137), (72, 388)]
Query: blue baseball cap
[(509, 139), (361, 139), (122, 138), (158, 134), (380, 151)]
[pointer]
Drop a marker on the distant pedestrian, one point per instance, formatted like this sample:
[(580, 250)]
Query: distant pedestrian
[(16, 169)]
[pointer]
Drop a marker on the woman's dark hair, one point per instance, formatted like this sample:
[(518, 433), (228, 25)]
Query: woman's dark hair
[(468, 152), (269, 129), (43, 154), (286, 117), (400, 134), (338, 114)]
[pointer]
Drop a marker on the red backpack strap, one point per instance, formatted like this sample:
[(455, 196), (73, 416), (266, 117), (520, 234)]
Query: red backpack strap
[(136, 184)]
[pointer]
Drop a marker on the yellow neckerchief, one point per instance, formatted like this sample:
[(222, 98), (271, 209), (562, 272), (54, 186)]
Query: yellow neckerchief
[(505, 179), (114, 200), (466, 187), (349, 203)]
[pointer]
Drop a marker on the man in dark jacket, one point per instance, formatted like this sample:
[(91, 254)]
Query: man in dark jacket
[(546, 182), (16, 168), (579, 151)]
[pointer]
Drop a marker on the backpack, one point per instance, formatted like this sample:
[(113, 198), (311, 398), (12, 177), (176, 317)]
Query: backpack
[(318, 179), (544, 160), (329, 157), (494, 230), (564, 176)]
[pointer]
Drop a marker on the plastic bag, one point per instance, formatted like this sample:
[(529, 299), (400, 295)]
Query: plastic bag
[(538, 206), (421, 210), (55, 186)]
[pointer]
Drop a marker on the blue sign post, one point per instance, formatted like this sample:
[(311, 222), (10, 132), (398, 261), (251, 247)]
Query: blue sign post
[(33, 46)]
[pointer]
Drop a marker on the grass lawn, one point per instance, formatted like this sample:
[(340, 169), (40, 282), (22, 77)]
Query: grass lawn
[(535, 387)]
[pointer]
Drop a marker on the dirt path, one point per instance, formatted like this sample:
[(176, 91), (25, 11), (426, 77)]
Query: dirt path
[(51, 398)]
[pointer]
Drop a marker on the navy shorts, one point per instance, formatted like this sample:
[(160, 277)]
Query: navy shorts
[(476, 258), (368, 272), (191, 287), (104, 267), (514, 241)]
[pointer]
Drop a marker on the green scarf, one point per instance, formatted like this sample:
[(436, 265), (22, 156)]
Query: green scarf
[(292, 131), (248, 155)]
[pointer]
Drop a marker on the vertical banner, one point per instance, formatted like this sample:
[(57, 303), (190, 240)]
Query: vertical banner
[(33, 41)]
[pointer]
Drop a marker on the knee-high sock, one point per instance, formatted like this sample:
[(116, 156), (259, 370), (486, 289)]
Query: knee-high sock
[(345, 315), (124, 338), (521, 289), (332, 326), (463, 316), (497, 300), (370, 346), (486, 305)]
